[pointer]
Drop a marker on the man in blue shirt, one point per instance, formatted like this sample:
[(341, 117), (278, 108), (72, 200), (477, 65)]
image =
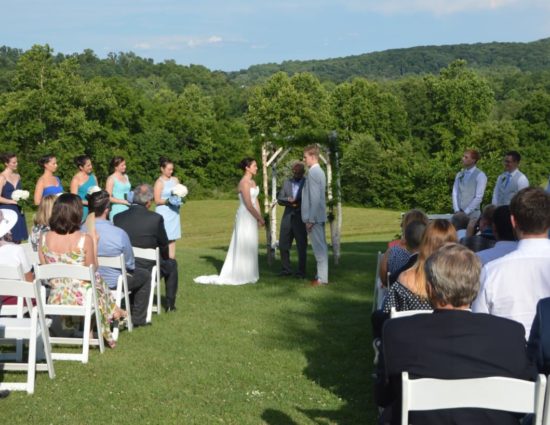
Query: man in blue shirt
[(112, 242)]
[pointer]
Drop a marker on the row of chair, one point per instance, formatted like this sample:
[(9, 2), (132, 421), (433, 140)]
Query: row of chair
[(27, 320)]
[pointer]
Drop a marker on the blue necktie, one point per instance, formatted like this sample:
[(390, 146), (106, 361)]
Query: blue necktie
[(508, 175)]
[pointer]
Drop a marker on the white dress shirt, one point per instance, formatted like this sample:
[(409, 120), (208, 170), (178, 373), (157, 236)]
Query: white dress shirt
[(500, 249), (481, 183), (512, 285)]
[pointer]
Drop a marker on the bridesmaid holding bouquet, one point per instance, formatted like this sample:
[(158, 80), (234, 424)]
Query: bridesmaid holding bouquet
[(10, 182)]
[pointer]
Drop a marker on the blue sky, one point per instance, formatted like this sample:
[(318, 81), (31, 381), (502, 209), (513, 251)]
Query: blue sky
[(234, 34)]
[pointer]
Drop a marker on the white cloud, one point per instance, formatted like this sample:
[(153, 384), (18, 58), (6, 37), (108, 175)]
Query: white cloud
[(440, 7), (177, 42)]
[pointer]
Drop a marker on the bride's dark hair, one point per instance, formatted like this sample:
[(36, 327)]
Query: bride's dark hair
[(245, 163)]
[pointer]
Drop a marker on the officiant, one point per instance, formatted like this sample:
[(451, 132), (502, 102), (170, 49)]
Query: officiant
[(292, 226)]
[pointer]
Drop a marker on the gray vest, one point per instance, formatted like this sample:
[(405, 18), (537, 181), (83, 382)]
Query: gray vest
[(467, 190), (505, 194)]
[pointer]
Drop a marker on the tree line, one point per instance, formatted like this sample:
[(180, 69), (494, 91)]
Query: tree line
[(400, 140)]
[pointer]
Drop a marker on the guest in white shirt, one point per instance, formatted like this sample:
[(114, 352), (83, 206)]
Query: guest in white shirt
[(469, 186), (512, 285), (511, 181), (504, 234)]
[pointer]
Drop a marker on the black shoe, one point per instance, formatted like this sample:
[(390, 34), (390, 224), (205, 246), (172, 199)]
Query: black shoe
[(4, 393), (299, 275), (170, 309), (284, 273), (139, 325)]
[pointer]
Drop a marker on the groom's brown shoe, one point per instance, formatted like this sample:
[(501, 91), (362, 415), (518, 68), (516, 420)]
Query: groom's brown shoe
[(317, 282)]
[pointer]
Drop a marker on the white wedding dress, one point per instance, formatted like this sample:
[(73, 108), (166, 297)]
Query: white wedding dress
[(241, 262)]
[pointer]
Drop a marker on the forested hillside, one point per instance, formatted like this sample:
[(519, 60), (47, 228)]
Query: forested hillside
[(400, 138), (396, 63)]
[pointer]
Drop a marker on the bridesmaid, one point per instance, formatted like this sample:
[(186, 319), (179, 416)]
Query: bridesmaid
[(47, 184), (83, 180), (171, 213), (10, 180), (118, 186)]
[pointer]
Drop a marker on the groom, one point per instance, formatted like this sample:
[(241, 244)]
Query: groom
[(314, 212)]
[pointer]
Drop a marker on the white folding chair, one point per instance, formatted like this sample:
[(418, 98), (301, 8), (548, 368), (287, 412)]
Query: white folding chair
[(32, 255), (379, 292), (89, 307), (496, 393), (394, 314), (121, 288), (18, 310), (32, 328), (152, 254)]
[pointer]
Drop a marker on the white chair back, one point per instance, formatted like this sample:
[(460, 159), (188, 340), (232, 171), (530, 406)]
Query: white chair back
[(31, 328), (121, 290), (152, 254), (87, 310), (497, 393)]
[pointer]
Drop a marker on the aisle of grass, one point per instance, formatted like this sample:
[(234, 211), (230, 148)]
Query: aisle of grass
[(278, 352)]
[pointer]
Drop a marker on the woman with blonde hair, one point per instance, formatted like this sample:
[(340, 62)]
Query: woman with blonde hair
[(41, 220), (409, 291)]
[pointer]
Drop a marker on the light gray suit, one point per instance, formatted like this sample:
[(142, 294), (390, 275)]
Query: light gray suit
[(314, 212)]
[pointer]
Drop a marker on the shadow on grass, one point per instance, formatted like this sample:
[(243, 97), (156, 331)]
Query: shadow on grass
[(276, 417), (338, 346)]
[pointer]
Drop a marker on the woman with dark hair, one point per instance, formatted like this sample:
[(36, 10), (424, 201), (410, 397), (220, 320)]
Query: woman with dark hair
[(118, 185), (65, 243), (167, 205), (241, 262), (48, 183), (83, 180), (10, 181)]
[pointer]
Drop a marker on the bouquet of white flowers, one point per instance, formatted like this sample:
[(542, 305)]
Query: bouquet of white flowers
[(180, 190), (20, 195)]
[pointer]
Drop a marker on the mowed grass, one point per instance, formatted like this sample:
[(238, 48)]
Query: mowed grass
[(277, 352)]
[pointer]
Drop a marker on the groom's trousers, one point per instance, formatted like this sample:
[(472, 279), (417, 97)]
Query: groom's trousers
[(320, 250)]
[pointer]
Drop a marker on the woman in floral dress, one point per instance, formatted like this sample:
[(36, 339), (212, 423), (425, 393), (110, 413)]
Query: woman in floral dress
[(65, 243)]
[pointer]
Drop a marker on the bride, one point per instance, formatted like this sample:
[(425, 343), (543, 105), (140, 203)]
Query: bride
[(241, 262)]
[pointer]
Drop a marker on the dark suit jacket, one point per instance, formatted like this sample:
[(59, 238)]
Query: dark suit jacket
[(145, 229), (453, 344), (539, 339), (285, 193)]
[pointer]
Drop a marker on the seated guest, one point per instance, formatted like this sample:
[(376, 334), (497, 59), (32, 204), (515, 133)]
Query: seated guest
[(113, 241), (397, 256), (146, 230), (460, 221), (41, 220), (65, 243), (408, 217), (512, 285), (12, 254), (451, 343), (483, 239), (538, 345), (504, 235), (409, 291)]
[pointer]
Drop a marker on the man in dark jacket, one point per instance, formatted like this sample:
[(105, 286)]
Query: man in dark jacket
[(146, 230)]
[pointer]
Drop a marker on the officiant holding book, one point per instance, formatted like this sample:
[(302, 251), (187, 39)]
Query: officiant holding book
[(292, 226)]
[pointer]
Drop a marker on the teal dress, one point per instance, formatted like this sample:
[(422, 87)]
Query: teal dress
[(120, 191), (83, 191)]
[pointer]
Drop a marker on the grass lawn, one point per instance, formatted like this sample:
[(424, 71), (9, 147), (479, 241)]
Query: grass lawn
[(278, 352)]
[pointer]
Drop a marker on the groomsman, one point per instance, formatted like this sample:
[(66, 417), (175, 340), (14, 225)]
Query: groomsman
[(292, 226), (511, 181), (314, 212), (469, 186)]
